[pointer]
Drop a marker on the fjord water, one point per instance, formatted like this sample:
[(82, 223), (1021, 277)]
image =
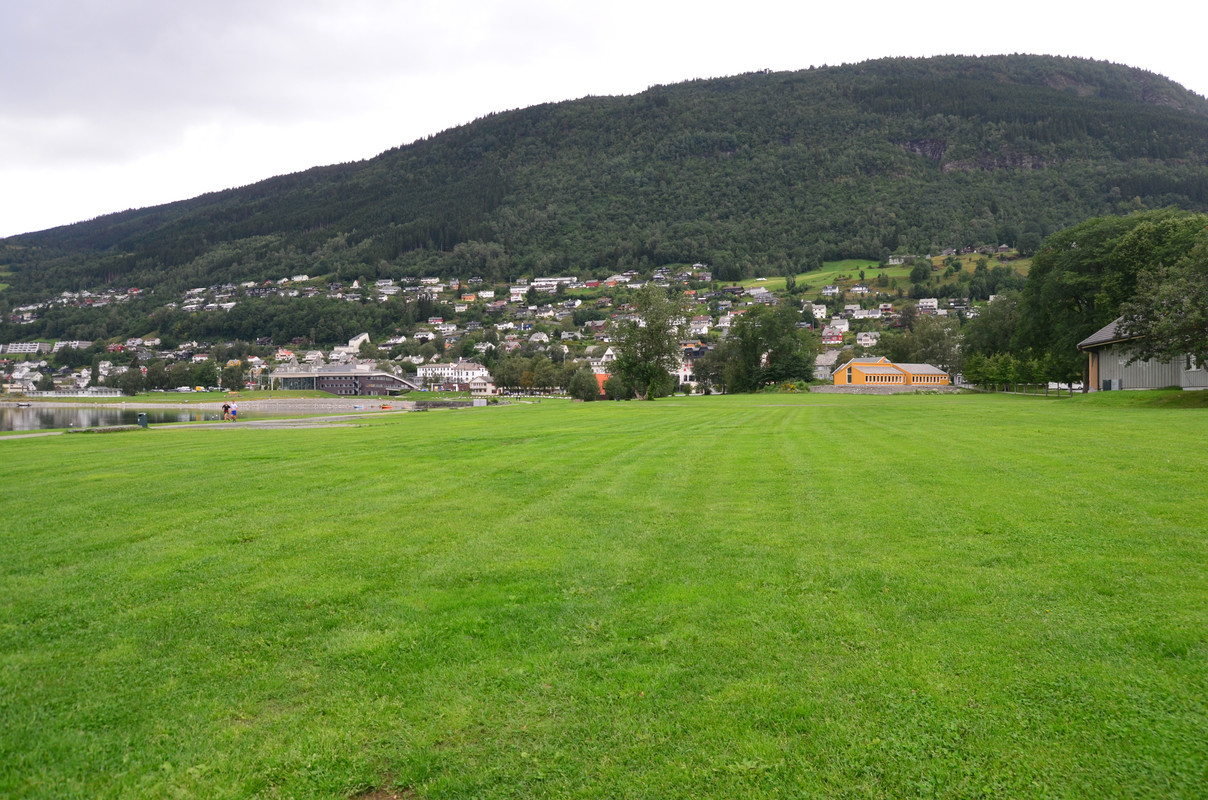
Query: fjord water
[(36, 417)]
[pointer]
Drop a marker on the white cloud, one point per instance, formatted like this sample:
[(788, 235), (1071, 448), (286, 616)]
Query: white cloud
[(108, 104)]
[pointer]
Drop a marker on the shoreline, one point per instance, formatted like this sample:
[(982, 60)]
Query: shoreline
[(276, 406)]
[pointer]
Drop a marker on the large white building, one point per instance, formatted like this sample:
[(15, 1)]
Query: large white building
[(455, 372)]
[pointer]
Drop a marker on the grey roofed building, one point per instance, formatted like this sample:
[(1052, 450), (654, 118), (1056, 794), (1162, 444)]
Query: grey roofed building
[(343, 379), (825, 363), (920, 369), (1108, 353)]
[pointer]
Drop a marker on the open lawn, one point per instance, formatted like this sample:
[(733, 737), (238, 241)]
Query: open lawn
[(759, 596)]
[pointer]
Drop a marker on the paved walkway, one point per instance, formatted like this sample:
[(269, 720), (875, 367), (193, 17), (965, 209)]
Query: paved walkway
[(31, 435), (334, 421)]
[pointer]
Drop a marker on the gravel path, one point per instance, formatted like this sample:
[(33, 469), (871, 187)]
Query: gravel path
[(275, 406)]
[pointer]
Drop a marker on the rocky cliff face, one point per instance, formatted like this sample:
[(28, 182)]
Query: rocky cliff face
[(932, 149), (1007, 158)]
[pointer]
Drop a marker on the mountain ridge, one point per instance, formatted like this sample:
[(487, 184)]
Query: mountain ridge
[(755, 174)]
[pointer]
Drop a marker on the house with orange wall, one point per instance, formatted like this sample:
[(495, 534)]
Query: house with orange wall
[(880, 371)]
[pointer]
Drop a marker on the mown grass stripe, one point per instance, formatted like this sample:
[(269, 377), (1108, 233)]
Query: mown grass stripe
[(730, 596)]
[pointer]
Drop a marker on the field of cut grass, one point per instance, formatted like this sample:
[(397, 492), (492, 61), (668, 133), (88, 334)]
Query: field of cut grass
[(761, 596)]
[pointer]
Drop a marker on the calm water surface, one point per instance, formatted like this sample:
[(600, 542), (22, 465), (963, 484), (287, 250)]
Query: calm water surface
[(35, 418)]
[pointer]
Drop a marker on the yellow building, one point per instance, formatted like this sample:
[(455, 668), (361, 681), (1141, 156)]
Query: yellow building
[(880, 371)]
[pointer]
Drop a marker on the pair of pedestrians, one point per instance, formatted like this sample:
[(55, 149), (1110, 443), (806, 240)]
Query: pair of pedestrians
[(230, 412)]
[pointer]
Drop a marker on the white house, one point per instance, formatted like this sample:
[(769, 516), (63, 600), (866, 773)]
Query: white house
[(867, 338), (599, 364), (483, 387), (456, 372), (684, 374), (352, 348)]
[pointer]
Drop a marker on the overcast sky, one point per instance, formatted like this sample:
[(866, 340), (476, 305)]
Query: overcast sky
[(113, 104)]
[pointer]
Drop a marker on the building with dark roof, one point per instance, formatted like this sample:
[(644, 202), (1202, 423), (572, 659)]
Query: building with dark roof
[(1108, 351), (355, 380)]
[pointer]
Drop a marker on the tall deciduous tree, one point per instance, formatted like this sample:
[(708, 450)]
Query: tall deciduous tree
[(545, 375), (766, 346), (933, 340), (937, 342), (993, 329), (1169, 311), (233, 376), (205, 373), (583, 385), (131, 381), (1083, 276), (648, 349)]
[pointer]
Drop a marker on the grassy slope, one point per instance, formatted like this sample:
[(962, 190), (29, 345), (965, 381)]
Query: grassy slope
[(831, 271), (729, 597), (847, 271)]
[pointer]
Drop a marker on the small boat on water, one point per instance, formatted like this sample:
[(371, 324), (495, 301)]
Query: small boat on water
[(24, 405)]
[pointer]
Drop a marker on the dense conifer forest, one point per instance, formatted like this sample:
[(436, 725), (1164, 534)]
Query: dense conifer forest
[(756, 174)]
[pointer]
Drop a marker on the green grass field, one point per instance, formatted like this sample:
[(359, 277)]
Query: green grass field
[(759, 596), (831, 271), (848, 271)]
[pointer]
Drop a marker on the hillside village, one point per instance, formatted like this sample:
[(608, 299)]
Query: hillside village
[(424, 246), (565, 319)]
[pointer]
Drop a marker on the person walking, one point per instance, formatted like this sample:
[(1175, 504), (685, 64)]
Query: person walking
[(234, 411), (226, 412)]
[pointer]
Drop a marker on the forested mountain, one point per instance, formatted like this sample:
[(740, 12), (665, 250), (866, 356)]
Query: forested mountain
[(753, 174)]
